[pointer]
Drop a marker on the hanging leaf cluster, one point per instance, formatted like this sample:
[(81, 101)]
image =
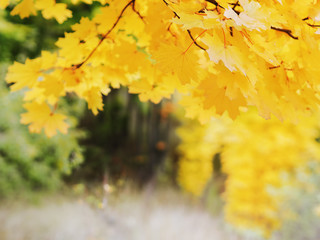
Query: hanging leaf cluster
[(220, 55)]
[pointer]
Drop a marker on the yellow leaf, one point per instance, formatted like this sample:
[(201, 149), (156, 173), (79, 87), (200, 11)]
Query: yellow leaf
[(24, 9), (48, 60), (94, 98), (23, 75), (55, 122), (215, 96), (58, 11), (35, 94), (53, 87), (183, 62), (140, 86), (85, 28), (40, 116), (4, 4)]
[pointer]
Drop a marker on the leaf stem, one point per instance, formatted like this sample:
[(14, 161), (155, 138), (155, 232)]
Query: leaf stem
[(194, 41)]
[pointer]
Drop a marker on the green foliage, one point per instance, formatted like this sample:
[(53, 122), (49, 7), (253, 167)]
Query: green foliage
[(31, 161), (16, 40)]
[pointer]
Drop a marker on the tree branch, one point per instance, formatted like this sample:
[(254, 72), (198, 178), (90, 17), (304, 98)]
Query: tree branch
[(287, 31), (214, 2), (104, 36), (137, 12), (194, 41)]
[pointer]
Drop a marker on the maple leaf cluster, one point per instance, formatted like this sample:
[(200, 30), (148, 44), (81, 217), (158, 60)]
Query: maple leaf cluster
[(220, 55), (256, 155)]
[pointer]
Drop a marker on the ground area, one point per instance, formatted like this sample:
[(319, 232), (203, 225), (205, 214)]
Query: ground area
[(148, 215)]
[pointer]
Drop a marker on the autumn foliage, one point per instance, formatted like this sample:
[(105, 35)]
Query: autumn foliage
[(258, 157), (221, 57)]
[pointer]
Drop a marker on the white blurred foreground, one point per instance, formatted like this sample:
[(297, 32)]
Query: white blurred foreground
[(159, 215), (146, 216)]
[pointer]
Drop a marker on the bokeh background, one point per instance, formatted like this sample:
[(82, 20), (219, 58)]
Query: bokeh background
[(140, 170)]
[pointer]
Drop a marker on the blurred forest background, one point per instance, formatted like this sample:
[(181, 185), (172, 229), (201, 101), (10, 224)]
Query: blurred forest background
[(129, 140)]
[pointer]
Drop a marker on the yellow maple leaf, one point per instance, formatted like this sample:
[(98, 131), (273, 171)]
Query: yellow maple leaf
[(128, 55), (35, 94), (140, 86), (40, 116), (48, 60), (71, 49), (24, 9), (147, 91), (55, 122), (53, 87), (23, 75), (4, 4), (51, 9), (58, 11), (183, 62), (215, 96), (72, 78), (218, 51), (42, 4), (86, 28), (94, 99), (108, 14)]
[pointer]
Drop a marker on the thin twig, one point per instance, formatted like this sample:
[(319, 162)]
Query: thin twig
[(215, 3), (287, 31), (137, 12), (104, 36), (194, 41)]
